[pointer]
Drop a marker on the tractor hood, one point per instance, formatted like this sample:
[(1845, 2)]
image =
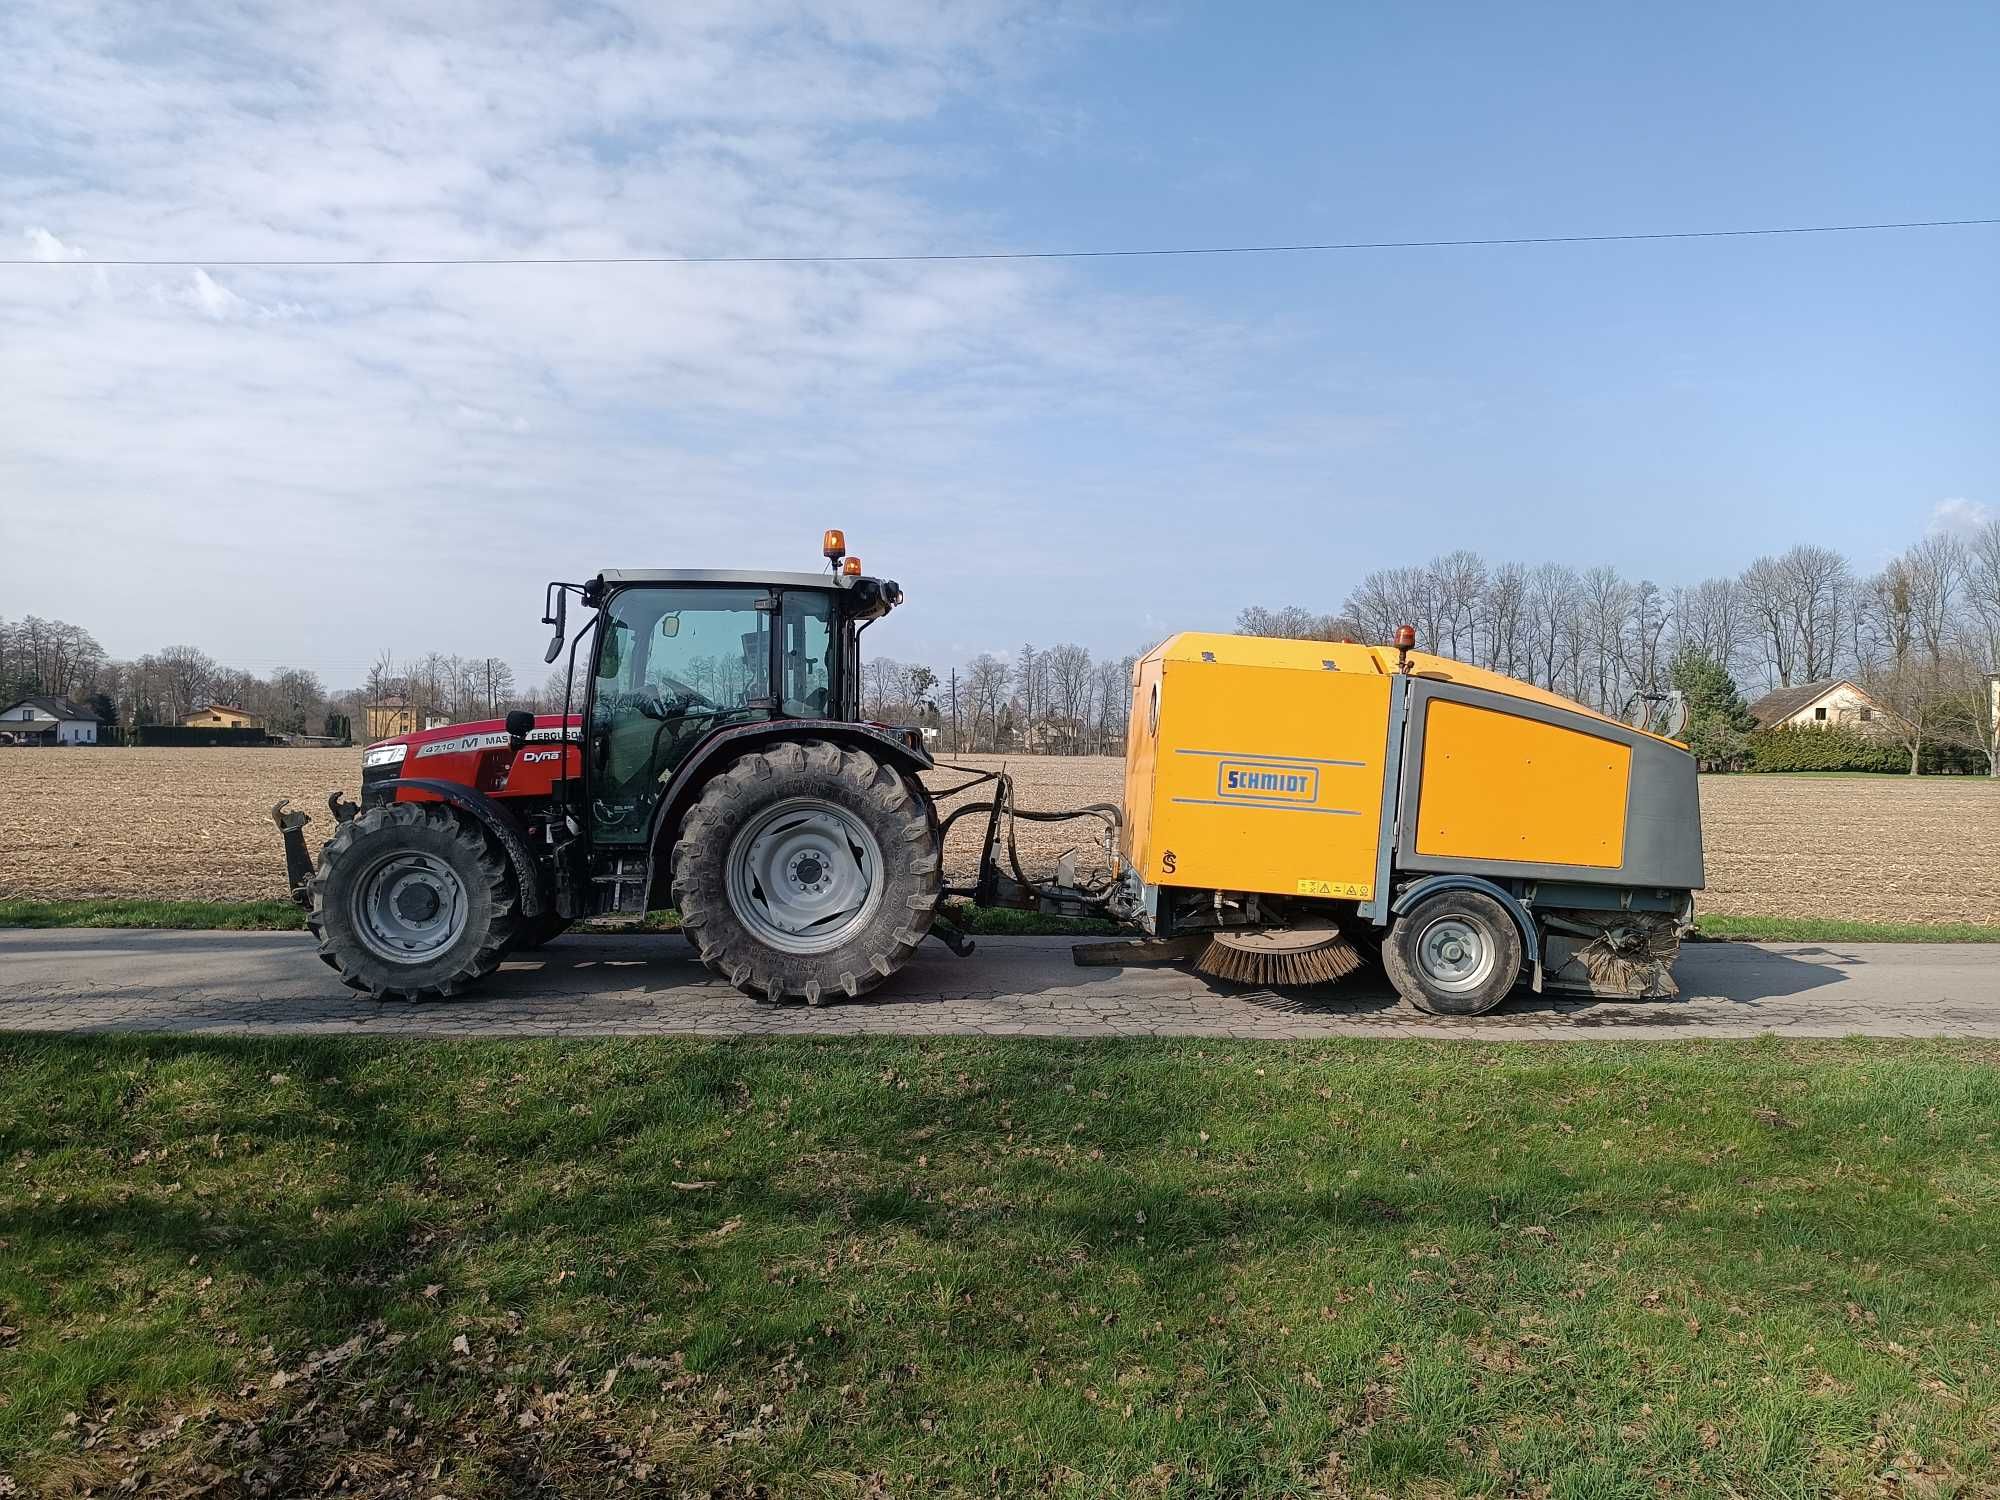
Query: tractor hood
[(401, 754)]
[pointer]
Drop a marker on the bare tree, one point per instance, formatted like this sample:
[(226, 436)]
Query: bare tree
[(1607, 605), (184, 675), (985, 690), (1713, 619), (1553, 598), (1766, 593), (1386, 598), (1295, 622), (1457, 591), (1069, 683), (1817, 586), (1936, 568), (1932, 701)]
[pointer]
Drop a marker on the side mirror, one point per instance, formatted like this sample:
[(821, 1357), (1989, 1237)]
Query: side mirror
[(557, 619), (519, 722)]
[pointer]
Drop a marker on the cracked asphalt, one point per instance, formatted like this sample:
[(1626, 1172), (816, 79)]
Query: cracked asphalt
[(103, 980)]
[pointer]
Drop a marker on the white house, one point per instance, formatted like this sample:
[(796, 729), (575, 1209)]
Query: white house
[(1832, 702), (48, 721)]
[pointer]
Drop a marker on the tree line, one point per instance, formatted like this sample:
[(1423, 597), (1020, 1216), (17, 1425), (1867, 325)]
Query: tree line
[(57, 659), (1921, 635)]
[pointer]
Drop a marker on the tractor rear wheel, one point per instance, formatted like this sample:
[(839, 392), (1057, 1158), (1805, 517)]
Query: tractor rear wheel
[(1457, 953), (411, 902), (807, 871)]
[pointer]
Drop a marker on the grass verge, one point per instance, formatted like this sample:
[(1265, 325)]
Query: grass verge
[(254, 916), (1829, 930), (864, 1267)]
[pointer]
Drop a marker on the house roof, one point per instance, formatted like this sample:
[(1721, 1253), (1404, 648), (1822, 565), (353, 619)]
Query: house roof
[(1775, 708), (55, 708), (227, 708)]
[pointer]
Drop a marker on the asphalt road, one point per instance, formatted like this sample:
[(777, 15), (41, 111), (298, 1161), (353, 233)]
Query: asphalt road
[(104, 980)]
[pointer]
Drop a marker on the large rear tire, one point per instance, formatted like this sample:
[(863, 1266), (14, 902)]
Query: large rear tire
[(410, 902), (1457, 953), (807, 871)]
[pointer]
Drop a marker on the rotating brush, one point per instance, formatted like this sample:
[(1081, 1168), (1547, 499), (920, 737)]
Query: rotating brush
[(1281, 957)]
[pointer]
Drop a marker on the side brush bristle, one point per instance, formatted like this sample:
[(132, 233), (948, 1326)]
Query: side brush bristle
[(1334, 959)]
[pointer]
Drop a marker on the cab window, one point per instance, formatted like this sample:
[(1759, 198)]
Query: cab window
[(806, 665)]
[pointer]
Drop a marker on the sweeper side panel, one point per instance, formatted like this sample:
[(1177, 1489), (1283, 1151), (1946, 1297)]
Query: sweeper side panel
[(1258, 765)]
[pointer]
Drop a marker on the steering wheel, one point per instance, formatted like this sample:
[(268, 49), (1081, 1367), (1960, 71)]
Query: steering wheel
[(671, 698)]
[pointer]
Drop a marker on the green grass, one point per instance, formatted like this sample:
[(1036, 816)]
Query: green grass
[(971, 1267), (1833, 930), (259, 916)]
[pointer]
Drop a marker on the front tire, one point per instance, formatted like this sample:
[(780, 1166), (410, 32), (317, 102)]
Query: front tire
[(409, 902), (807, 870), (1458, 953)]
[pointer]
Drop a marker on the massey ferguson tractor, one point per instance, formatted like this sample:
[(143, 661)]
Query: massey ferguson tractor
[(1289, 807)]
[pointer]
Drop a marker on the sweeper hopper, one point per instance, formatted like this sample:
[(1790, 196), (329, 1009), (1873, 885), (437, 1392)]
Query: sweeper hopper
[(1289, 804)]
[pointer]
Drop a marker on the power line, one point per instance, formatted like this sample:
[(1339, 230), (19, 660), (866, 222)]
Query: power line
[(327, 262)]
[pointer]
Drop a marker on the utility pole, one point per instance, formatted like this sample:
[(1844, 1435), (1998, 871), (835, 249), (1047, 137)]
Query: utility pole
[(954, 710)]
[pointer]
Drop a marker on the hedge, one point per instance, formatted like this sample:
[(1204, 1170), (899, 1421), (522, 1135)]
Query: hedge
[(1831, 749), (1840, 749)]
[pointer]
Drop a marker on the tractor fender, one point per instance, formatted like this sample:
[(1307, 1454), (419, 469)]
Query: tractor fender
[(497, 820), (720, 748), (1431, 885)]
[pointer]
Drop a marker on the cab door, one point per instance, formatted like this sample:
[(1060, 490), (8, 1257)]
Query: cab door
[(673, 664)]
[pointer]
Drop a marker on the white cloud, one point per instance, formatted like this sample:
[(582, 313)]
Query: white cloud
[(211, 299), (1960, 514), (44, 246)]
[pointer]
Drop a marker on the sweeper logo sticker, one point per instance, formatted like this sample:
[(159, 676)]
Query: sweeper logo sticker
[(1255, 781)]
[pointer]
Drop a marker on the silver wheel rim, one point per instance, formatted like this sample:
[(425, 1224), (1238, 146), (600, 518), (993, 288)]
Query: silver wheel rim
[(409, 907), (1454, 955), (804, 876)]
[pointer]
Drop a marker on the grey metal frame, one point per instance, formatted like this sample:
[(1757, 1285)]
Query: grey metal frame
[(1376, 909), (741, 577)]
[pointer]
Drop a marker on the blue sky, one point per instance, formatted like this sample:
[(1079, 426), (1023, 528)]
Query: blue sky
[(1101, 451)]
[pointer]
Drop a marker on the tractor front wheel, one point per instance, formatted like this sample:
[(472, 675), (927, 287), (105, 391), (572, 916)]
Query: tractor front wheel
[(410, 902), (807, 871)]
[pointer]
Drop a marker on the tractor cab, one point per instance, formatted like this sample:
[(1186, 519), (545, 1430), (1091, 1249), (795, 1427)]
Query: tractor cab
[(678, 655)]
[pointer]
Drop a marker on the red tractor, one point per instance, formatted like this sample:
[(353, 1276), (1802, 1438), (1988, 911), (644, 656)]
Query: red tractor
[(720, 765)]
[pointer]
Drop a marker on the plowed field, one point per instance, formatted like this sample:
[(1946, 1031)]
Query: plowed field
[(193, 824)]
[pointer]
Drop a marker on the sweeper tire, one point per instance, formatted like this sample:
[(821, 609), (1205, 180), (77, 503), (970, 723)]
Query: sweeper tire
[(1457, 953), (807, 871)]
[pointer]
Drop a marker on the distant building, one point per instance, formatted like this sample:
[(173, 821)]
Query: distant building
[(48, 721), (1830, 703), (223, 716), (391, 717)]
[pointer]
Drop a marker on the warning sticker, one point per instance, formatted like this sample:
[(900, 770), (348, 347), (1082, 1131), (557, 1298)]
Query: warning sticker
[(1338, 890)]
